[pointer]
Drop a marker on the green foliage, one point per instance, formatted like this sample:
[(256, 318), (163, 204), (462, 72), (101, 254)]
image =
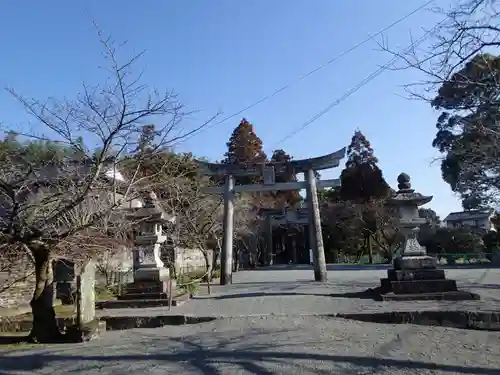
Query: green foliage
[(491, 242), (35, 152), (188, 284), (364, 187), (468, 130), (361, 179), (453, 241)]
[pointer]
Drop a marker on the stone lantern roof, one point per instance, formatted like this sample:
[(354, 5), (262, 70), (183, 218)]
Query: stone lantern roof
[(406, 195), (152, 211)]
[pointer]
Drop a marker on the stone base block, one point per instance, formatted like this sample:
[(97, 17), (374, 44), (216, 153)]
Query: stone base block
[(444, 296), (147, 290), (151, 274), (419, 286), (415, 263), (410, 275), (146, 287), (85, 332)]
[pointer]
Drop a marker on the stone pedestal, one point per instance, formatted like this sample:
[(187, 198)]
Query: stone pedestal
[(415, 275), (421, 284), (150, 275)]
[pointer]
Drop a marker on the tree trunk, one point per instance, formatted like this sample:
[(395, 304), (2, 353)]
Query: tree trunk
[(45, 328), (236, 261), (209, 269), (369, 245)]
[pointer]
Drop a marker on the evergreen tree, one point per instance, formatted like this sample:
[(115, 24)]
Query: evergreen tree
[(289, 197), (362, 182), (244, 148), (362, 179)]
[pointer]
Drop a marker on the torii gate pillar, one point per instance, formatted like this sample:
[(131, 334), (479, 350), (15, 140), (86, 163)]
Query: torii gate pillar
[(315, 232), (226, 264)]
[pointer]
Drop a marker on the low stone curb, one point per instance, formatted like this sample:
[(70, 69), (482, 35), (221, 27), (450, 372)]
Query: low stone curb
[(473, 320), (118, 323), (488, 321), (140, 303), (12, 325)]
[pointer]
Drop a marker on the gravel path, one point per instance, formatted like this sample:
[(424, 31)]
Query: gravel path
[(270, 345), (292, 292), (276, 344)]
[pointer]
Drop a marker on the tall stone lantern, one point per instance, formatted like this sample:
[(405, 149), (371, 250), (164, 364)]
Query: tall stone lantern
[(147, 262), (407, 201), (415, 275)]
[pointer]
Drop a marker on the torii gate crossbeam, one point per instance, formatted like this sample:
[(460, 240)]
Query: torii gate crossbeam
[(269, 171)]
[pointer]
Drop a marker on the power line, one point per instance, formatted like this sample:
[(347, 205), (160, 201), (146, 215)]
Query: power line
[(364, 82), (329, 62)]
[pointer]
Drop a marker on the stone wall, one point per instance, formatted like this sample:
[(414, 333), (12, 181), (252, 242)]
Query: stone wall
[(188, 260), (17, 280)]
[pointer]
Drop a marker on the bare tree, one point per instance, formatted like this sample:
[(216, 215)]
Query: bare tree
[(461, 70), (44, 205), (199, 218)]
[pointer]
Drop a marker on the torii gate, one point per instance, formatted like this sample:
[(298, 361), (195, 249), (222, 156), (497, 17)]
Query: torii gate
[(269, 171)]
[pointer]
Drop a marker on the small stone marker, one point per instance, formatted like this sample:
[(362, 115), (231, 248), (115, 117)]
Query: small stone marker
[(86, 294), (87, 327)]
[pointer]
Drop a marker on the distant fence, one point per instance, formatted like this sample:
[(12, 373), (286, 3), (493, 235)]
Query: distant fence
[(444, 259)]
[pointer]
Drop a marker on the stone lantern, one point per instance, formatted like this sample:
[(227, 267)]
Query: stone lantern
[(407, 201), (415, 275), (147, 264)]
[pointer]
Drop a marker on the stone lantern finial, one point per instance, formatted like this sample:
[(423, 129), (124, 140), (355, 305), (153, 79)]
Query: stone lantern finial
[(404, 182), (150, 199)]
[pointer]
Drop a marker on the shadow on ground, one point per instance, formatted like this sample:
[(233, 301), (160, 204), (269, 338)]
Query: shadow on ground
[(362, 267), (480, 286), (373, 294), (187, 353)]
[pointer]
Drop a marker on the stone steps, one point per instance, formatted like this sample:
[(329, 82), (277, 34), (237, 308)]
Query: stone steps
[(410, 275)]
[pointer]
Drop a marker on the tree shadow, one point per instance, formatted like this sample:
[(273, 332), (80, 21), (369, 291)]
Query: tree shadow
[(374, 294), (214, 352), (207, 361)]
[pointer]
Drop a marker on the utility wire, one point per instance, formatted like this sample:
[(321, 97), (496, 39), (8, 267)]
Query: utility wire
[(310, 73), (364, 82)]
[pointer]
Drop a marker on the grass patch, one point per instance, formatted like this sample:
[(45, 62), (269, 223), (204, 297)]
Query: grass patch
[(106, 293), (62, 311), (69, 311), (200, 274)]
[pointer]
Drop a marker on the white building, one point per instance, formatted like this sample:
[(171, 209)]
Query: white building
[(478, 219)]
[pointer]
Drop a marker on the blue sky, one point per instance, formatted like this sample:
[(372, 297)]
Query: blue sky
[(223, 55)]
